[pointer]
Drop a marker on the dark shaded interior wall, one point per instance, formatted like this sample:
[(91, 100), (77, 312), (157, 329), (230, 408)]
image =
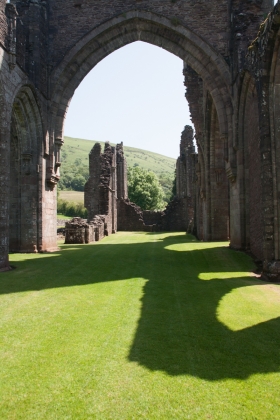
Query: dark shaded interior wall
[(254, 224), (212, 192), (218, 186), (25, 175)]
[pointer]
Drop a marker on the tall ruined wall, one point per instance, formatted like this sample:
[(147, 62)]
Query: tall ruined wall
[(179, 214), (91, 195), (184, 168), (195, 97), (121, 173), (107, 183), (101, 187), (108, 177)]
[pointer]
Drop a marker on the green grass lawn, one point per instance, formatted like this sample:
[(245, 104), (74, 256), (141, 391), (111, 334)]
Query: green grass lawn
[(138, 326)]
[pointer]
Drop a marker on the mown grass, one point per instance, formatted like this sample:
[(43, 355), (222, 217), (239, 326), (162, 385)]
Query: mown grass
[(74, 196), (138, 326)]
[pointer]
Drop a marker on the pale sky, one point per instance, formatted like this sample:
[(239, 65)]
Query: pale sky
[(135, 95)]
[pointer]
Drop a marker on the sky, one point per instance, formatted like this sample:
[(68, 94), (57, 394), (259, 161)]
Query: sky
[(135, 95)]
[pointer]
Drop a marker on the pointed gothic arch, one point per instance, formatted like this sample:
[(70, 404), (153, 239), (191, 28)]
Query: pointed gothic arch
[(148, 27), (26, 185)]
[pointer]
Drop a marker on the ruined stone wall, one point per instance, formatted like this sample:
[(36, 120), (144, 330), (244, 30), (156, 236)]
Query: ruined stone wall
[(195, 97), (101, 187), (176, 215), (152, 217), (91, 195), (179, 214), (121, 173), (130, 216), (80, 231), (103, 184), (107, 184)]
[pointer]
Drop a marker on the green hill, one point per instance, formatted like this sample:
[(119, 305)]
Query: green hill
[(80, 148), (74, 170)]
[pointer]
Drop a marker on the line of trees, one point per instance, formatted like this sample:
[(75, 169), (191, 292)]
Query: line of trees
[(69, 208)]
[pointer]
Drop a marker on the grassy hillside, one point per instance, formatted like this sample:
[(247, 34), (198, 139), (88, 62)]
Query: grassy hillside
[(79, 148)]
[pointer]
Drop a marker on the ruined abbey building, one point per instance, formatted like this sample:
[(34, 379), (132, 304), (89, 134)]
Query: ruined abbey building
[(230, 50), (109, 208)]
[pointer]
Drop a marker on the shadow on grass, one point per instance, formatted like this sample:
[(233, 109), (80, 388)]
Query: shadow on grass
[(178, 331)]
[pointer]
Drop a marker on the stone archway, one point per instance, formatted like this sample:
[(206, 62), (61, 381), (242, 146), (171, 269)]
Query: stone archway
[(26, 181), (156, 30), (159, 31)]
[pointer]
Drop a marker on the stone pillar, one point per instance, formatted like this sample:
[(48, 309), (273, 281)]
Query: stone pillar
[(114, 191), (4, 195), (121, 173), (179, 213), (92, 185)]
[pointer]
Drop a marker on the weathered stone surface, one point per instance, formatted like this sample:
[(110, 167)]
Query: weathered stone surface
[(232, 75)]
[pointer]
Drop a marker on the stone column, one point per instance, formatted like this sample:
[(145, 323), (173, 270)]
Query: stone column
[(4, 196)]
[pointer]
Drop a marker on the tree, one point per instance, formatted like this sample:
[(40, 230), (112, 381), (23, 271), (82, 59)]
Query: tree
[(78, 183), (167, 181), (144, 189), (65, 181), (174, 186)]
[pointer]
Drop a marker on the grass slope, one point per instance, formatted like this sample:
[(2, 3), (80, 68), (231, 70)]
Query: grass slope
[(79, 148), (138, 326)]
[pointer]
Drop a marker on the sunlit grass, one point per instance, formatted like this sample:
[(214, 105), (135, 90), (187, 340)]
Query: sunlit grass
[(138, 326), (61, 216)]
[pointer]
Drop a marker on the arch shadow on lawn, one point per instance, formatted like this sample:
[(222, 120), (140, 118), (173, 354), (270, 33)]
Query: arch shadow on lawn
[(178, 331)]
